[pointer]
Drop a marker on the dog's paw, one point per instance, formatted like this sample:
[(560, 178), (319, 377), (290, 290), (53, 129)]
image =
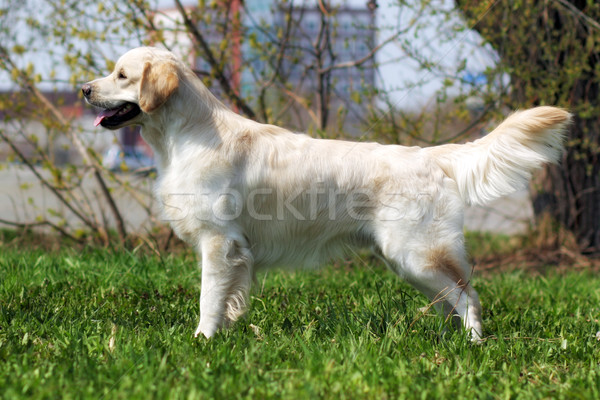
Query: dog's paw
[(204, 332)]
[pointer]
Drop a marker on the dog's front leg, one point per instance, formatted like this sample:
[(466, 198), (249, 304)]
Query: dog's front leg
[(226, 279)]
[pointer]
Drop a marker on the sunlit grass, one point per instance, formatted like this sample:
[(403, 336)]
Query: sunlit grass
[(95, 324)]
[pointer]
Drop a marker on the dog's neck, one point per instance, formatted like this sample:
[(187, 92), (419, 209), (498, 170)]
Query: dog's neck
[(194, 114)]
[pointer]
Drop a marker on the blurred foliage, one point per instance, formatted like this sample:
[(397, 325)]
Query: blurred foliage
[(551, 51)]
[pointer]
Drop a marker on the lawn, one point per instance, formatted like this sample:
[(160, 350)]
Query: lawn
[(116, 325)]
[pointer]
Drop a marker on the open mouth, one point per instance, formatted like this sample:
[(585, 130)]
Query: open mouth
[(116, 117)]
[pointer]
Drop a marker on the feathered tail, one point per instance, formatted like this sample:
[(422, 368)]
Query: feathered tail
[(503, 161)]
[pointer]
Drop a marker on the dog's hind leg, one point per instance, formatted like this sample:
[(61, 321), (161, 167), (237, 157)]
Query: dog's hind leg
[(226, 280), (444, 277)]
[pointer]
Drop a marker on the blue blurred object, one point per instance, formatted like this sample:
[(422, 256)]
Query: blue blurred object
[(475, 79), (134, 158)]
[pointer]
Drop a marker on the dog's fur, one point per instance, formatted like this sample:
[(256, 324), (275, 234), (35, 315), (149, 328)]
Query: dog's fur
[(249, 196)]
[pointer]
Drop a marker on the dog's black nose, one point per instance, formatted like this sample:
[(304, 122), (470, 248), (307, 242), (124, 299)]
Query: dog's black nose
[(86, 89)]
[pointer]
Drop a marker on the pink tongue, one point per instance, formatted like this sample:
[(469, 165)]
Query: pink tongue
[(104, 114)]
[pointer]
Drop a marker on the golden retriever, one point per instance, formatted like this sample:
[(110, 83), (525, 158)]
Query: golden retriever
[(250, 196)]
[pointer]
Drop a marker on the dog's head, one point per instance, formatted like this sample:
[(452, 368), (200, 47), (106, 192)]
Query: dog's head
[(142, 81)]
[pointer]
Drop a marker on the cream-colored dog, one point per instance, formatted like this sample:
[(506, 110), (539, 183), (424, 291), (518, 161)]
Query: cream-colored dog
[(250, 196)]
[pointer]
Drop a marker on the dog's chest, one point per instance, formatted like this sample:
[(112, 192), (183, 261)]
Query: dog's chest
[(191, 203)]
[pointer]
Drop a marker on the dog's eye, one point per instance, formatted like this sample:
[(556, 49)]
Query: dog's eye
[(122, 75)]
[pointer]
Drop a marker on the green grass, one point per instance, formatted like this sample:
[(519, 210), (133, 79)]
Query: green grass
[(100, 325)]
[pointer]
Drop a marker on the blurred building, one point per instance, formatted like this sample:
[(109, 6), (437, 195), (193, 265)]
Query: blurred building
[(350, 38)]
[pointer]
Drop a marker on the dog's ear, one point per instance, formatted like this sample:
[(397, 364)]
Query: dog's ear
[(158, 83)]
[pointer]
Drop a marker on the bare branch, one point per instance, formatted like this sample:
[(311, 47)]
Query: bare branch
[(26, 225), (217, 69), (25, 82), (361, 61), (44, 182), (578, 13)]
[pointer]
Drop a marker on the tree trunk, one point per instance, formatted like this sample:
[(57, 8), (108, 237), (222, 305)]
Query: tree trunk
[(570, 192)]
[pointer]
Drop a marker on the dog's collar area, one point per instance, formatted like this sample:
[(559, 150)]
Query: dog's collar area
[(117, 116)]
